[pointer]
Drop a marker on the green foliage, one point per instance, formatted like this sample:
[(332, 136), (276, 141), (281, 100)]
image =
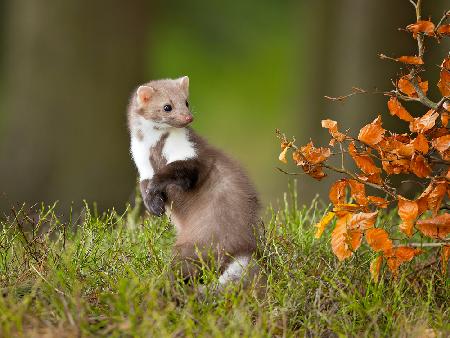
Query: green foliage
[(97, 276)]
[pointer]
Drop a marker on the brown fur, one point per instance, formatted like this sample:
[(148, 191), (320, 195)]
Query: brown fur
[(220, 213)]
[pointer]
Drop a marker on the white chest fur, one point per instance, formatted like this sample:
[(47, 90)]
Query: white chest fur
[(144, 136)]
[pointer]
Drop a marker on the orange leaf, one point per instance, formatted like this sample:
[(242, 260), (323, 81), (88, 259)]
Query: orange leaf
[(407, 209), (396, 108), (420, 166), (412, 60), (339, 239), (398, 256), (323, 223), (362, 220), (436, 196), (444, 30), (421, 26), (315, 155), (378, 239), (408, 212), (332, 127), (375, 267), (372, 178), (355, 238), (436, 227), (406, 86), (444, 79), (422, 201), (378, 201), (445, 254), (344, 209), (441, 143), (372, 133), (337, 192), (420, 144), (424, 123), (363, 161), (444, 119), (358, 192)]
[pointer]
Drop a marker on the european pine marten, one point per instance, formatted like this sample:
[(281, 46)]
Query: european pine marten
[(207, 195)]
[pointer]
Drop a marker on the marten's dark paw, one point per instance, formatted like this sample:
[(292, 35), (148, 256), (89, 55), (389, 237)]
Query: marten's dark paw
[(155, 204)]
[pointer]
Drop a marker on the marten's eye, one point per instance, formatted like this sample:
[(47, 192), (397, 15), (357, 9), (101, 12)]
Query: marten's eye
[(167, 107), (187, 103)]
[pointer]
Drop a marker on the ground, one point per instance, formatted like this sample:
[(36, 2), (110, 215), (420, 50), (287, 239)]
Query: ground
[(107, 275)]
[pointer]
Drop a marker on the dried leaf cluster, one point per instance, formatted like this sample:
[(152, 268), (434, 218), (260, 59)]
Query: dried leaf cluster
[(379, 154)]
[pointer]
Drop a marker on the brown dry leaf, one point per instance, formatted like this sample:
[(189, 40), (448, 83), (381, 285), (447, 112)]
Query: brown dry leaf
[(441, 143), (337, 192), (424, 123), (397, 109), (420, 144), (323, 223), (358, 192), (444, 79), (436, 227), (408, 212), (445, 254), (372, 133), (420, 167), (315, 155), (339, 238), (407, 88), (412, 60), (363, 220), (421, 26), (397, 256), (363, 161), (332, 127), (378, 239), (444, 30), (380, 202), (444, 119), (375, 267)]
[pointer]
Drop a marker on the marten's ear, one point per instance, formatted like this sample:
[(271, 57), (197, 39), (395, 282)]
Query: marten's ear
[(184, 84), (144, 94)]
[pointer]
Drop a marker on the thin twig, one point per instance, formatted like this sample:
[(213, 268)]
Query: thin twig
[(418, 7), (444, 17), (422, 97), (425, 245), (356, 178), (288, 173), (355, 90)]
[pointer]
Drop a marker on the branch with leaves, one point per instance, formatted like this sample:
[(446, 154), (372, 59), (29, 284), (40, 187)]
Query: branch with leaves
[(381, 154)]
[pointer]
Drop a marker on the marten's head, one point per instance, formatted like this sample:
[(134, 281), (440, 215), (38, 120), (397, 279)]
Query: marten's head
[(165, 102)]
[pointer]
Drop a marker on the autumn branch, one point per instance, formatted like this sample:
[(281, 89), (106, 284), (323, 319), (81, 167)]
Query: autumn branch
[(379, 154)]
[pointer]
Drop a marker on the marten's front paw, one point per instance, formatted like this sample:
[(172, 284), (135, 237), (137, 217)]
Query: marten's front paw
[(154, 201)]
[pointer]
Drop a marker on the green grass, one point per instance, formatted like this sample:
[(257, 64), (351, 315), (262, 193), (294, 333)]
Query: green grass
[(105, 275)]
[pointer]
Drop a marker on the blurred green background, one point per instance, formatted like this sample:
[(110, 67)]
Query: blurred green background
[(68, 68)]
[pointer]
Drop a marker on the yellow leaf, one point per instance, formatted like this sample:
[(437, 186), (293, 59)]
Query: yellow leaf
[(323, 223), (282, 156), (375, 267)]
